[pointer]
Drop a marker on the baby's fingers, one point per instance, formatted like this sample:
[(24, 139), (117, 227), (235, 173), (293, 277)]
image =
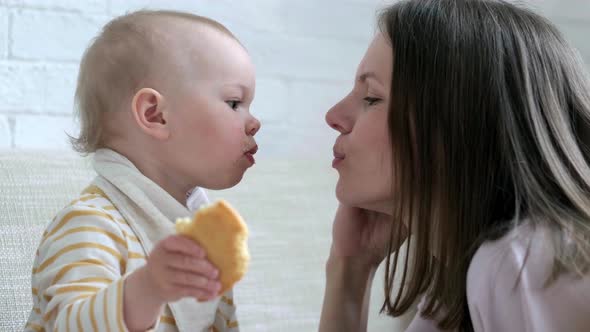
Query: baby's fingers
[(182, 245), (195, 281), (192, 264)]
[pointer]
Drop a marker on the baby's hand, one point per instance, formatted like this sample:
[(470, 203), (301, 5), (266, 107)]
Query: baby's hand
[(177, 268)]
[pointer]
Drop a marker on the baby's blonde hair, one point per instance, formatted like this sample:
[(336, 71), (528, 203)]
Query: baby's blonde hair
[(114, 66)]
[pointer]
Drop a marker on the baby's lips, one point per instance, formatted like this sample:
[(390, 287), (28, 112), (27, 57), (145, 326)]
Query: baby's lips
[(253, 150)]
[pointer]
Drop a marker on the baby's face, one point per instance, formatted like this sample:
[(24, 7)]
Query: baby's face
[(212, 131)]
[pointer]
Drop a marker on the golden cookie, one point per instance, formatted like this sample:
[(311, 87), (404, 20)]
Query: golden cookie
[(223, 234)]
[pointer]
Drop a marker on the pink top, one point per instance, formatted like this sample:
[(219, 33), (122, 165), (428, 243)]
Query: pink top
[(500, 301)]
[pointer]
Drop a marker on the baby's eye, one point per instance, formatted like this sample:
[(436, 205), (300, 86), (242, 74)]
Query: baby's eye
[(233, 103), (371, 100)]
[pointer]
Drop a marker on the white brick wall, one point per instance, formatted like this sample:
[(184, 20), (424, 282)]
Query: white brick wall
[(305, 51), (5, 138), (304, 62), (41, 34), (3, 33)]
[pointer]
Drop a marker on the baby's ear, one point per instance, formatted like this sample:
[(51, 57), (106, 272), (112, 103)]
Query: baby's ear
[(149, 113)]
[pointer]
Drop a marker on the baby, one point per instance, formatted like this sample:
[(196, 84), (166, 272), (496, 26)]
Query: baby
[(163, 100)]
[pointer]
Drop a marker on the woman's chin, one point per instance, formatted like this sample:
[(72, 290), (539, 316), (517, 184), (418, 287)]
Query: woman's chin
[(368, 201), (346, 196)]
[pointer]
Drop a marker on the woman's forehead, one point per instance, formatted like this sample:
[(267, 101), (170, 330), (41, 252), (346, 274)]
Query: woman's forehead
[(377, 62)]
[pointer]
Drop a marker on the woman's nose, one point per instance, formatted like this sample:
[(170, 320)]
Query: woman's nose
[(336, 120)]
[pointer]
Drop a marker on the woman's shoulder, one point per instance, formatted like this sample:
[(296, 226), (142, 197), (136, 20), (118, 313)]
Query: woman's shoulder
[(506, 257), (509, 285)]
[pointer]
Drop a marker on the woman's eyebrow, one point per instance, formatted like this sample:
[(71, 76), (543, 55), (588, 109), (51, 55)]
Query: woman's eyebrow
[(367, 75)]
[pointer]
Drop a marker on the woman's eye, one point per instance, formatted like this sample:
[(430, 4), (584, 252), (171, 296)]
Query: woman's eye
[(371, 100), (233, 104)]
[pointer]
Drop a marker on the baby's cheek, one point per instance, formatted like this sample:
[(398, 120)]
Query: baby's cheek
[(204, 128), (219, 138), (206, 135), (235, 133)]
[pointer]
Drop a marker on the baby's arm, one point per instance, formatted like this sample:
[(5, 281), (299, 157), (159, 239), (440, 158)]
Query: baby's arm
[(176, 268), (79, 276)]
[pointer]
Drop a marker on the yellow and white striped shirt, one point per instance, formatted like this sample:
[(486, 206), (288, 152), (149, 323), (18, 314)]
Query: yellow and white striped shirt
[(79, 269)]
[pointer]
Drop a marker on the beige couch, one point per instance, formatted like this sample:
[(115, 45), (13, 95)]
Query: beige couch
[(288, 205)]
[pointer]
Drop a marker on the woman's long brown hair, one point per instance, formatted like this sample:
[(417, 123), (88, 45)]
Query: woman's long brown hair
[(488, 121)]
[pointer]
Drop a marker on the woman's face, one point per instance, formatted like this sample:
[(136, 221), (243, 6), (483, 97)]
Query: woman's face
[(362, 152)]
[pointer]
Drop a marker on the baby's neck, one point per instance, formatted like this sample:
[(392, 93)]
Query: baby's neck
[(156, 171), (163, 179)]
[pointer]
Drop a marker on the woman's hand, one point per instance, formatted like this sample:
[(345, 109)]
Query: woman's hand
[(360, 242), (362, 235)]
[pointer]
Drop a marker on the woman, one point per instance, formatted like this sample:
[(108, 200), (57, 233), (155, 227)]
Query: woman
[(466, 129)]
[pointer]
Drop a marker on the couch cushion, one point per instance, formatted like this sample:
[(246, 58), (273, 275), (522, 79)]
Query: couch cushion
[(288, 205), (34, 187)]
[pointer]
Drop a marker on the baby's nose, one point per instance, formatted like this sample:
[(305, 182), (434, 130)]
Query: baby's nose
[(253, 126)]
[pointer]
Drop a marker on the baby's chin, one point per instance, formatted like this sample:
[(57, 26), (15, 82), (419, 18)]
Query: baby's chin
[(223, 183)]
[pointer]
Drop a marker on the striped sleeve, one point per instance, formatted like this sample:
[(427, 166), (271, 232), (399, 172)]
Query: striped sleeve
[(225, 316), (78, 274)]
